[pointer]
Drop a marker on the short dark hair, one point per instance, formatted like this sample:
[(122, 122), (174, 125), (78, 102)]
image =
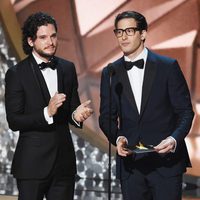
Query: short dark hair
[(31, 26), (139, 18)]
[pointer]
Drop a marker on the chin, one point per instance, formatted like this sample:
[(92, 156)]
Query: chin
[(50, 52), (126, 51), (48, 55)]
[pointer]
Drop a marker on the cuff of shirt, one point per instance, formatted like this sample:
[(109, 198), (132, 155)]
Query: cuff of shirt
[(120, 137), (46, 116), (77, 123), (173, 150)]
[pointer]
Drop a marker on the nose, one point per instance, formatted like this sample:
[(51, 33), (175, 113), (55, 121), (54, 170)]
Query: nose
[(50, 41), (124, 35)]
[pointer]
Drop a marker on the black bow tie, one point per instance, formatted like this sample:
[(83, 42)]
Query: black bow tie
[(138, 63), (51, 64)]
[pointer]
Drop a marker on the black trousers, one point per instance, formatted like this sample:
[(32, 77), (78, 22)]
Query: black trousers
[(151, 186), (56, 186), (59, 188)]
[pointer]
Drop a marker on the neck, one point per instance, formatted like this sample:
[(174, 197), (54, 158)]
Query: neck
[(45, 59), (134, 54)]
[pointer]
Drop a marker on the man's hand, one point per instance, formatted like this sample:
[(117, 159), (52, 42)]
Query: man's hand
[(83, 112), (121, 147), (166, 145), (55, 102)]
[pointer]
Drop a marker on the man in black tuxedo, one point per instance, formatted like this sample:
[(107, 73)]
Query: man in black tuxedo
[(41, 98), (150, 104)]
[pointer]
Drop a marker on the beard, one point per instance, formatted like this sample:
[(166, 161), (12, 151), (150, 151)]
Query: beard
[(44, 54)]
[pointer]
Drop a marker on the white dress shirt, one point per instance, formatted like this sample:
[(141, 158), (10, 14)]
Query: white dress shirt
[(136, 77), (50, 77)]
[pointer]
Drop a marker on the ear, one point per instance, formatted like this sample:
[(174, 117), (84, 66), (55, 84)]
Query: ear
[(143, 35), (30, 41)]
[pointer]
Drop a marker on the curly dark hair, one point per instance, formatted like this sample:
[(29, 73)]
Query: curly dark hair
[(31, 26), (139, 18)]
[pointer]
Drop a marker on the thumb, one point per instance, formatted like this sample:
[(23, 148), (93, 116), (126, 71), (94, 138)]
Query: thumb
[(86, 103), (123, 141), (55, 93)]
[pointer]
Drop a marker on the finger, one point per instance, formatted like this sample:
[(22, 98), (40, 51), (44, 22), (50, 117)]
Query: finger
[(123, 152), (83, 116), (161, 145), (62, 99), (61, 96), (55, 94), (59, 104), (58, 98), (123, 142), (88, 112), (165, 150)]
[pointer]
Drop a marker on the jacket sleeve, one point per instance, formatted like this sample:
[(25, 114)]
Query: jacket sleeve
[(108, 119), (15, 98), (181, 102), (75, 100)]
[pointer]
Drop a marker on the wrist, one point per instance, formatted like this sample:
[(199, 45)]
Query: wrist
[(49, 112), (74, 116), (120, 138)]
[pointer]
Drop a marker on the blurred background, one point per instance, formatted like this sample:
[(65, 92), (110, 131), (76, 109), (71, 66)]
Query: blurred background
[(85, 34)]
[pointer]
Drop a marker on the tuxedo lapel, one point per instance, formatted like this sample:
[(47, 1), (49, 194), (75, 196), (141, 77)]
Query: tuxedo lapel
[(149, 75), (40, 80), (126, 86), (60, 77)]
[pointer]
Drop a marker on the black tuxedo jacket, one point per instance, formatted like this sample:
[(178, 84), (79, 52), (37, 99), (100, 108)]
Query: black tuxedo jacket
[(166, 110), (26, 96)]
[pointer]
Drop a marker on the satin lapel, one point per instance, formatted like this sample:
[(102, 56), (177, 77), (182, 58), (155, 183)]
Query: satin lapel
[(123, 77), (40, 80), (150, 72), (60, 78)]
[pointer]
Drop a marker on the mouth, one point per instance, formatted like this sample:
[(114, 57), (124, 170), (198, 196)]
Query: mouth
[(125, 44), (50, 48)]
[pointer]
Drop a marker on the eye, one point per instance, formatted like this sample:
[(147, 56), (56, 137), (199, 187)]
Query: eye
[(118, 31), (130, 30), (54, 36), (42, 37)]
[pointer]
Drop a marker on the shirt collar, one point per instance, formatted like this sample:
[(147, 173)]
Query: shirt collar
[(37, 59), (142, 55)]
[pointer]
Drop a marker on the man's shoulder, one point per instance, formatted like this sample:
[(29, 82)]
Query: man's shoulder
[(64, 61), (19, 65), (115, 63), (118, 61), (19, 68), (66, 66), (160, 57)]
